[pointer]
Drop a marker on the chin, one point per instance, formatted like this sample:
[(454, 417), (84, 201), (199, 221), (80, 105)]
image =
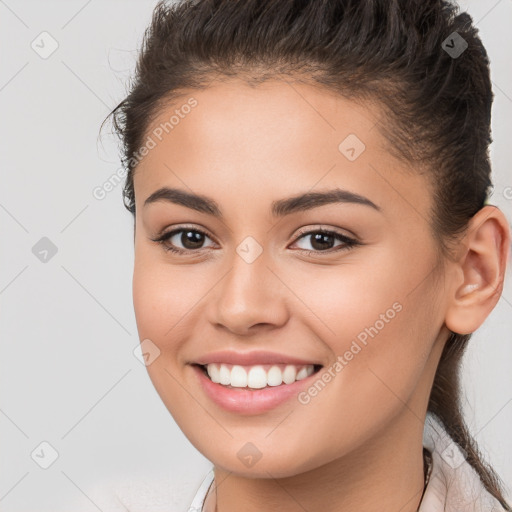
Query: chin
[(246, 460)]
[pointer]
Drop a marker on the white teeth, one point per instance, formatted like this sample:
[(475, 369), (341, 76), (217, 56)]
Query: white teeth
[(256, 377), (224, 375), (214, 373), (302, 374), (289, 374), (238, 377), (274, 376)]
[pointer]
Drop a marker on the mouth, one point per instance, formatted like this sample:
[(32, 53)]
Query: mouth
[(257, 376)]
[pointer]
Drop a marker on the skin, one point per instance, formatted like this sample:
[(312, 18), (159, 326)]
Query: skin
[(357, 445)]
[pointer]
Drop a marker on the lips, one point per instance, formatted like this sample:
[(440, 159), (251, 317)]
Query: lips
[(247, 401), (255, 381)]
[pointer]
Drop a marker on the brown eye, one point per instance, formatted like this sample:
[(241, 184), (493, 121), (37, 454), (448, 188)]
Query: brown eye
[(322, 241), (191, 239)]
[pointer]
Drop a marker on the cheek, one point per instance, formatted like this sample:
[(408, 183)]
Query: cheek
[(374, 375), (162, 296), (160, 304), (345, 300), (158, 309), (387, 357), (147, 303), (377, 318)]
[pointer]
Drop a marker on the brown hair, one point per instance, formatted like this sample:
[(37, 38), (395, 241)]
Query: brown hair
[(437, 104)]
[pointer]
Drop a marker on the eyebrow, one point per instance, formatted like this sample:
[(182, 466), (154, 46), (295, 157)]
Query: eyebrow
[(279, 208)]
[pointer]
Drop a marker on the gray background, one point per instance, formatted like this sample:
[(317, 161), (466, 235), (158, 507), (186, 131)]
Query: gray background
[(68, 373)]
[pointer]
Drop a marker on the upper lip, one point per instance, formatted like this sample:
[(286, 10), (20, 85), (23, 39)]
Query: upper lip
[(251, 358)]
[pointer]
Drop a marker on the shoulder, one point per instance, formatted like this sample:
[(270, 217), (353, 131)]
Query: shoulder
[(454, 484), (136, 494)]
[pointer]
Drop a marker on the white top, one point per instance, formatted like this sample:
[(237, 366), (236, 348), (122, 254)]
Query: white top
[(454, 485)]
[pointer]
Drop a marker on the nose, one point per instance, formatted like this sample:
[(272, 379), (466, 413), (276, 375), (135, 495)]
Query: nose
[(249, 298)]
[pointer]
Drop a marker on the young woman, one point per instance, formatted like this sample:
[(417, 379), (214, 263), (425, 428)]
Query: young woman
[(313, 247)]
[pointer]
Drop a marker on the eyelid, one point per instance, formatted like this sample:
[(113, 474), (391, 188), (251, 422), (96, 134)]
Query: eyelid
[(322, 227), (181, 227)]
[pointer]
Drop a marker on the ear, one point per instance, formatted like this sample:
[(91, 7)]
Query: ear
[(479, 272)]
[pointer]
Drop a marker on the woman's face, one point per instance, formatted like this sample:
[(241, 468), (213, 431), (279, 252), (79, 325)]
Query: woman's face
[(264, 279)]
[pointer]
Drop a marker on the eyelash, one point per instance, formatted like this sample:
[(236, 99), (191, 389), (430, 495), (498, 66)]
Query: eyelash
[(349, 243)]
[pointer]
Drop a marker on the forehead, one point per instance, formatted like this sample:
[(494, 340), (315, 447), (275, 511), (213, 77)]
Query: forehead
[(273, 139)]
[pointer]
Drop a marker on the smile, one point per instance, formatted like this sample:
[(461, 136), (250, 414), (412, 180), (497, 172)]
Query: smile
[(257, 376), (241, 398)]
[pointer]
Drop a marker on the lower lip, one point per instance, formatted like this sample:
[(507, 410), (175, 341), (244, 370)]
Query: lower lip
[(247, 401)]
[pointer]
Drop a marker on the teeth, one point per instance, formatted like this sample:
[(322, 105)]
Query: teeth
[(274, 376), (225, 376), (289, 374), (302, 373), (258, 376), (238, 377)]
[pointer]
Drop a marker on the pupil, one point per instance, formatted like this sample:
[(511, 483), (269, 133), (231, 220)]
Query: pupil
[(321, 238), (192, 237)]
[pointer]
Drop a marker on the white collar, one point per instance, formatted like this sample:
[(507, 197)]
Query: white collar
[(453, 486)]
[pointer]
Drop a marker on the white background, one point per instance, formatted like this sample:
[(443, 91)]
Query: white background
[(68, 373)]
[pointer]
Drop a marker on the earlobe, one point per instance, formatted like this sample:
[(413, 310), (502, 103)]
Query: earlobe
[(480, 271)]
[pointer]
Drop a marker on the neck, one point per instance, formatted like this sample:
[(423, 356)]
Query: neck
[(386, 474)]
